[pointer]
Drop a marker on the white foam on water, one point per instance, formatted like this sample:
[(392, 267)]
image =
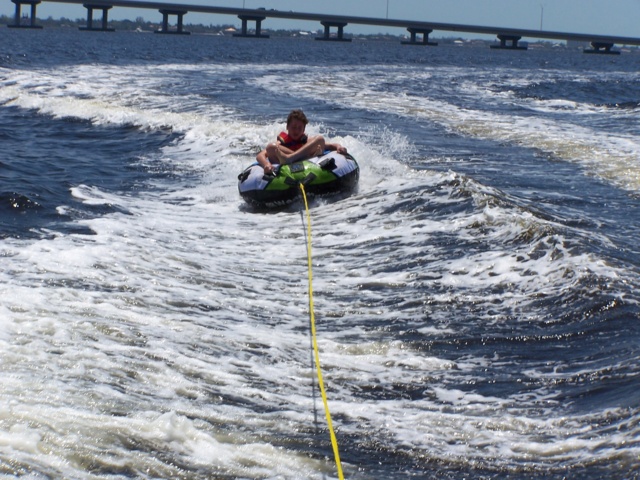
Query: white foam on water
[(610, 155), (176, 337)]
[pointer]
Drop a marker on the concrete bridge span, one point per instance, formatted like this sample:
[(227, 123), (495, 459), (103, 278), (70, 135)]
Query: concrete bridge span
[(508, 37)]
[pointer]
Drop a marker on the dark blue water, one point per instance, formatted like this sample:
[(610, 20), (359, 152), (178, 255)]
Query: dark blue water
[(480, 289), (37, 178)]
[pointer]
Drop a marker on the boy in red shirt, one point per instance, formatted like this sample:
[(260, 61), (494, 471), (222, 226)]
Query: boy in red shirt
[(294, 144)]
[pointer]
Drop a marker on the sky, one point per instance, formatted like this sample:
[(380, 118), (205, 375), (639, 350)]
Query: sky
[(610, 17)]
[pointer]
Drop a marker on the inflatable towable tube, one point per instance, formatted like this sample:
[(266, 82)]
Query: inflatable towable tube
[(330, 173)]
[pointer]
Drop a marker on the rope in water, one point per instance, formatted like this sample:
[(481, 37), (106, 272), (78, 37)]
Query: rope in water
[(334, 441)]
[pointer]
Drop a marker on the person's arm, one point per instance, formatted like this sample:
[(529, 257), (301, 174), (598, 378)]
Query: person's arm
[(264, 162), (337, 148)]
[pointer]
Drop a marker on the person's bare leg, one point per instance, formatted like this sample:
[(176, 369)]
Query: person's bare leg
[(315, 146), (272, 151)]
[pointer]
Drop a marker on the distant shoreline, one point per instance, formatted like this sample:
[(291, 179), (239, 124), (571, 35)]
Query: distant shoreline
[(142, 26)]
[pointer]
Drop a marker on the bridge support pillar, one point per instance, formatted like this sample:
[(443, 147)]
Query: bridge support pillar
[(245, 32), (165, 22), (602, 47), (327, 32), (509, 42), (414, 37), (105, 19), (18, 17)]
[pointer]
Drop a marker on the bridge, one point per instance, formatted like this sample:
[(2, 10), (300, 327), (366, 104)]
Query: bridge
[(419, 31)]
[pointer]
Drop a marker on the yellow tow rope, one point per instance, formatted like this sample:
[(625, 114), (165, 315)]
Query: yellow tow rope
[(334, 441)]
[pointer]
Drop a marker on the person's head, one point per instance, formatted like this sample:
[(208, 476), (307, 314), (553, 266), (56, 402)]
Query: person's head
[(296, 124)]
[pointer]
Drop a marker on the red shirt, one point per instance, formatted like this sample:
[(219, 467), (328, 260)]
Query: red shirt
[(293, 145)]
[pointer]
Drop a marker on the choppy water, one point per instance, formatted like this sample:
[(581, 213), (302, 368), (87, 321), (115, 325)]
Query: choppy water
[(476, 299)]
